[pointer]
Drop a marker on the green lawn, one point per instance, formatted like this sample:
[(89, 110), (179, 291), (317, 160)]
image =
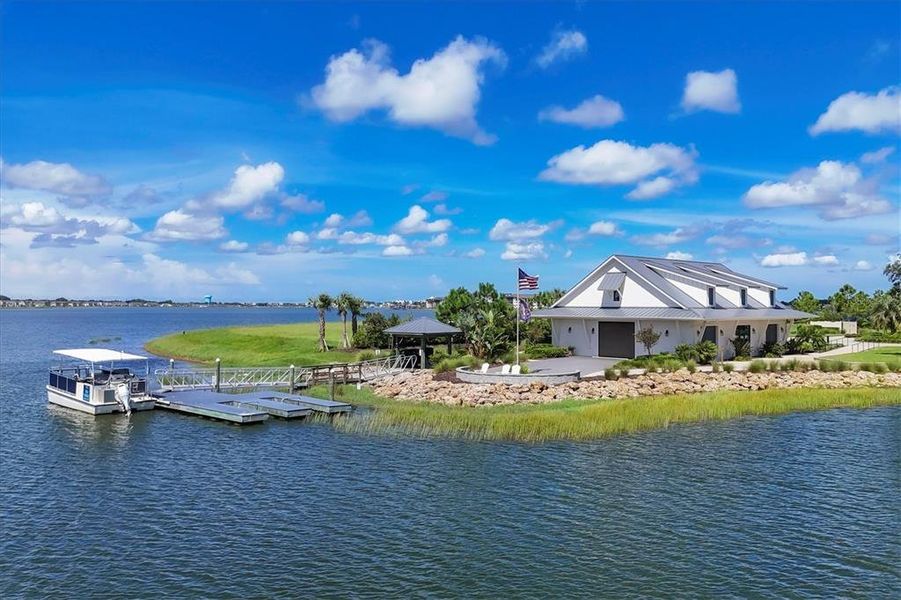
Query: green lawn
[(885, 354), (580, 420), (264, 345)]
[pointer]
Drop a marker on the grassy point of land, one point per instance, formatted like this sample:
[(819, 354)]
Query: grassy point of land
[(883, 354), (256, 346), (583, 420)]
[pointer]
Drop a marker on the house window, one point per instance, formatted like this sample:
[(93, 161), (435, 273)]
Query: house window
[(616, 295), (743, 295), (772, 297), (711, 296)]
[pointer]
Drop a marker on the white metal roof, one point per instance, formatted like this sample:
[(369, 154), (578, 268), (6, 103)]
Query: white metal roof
[(98, 355)]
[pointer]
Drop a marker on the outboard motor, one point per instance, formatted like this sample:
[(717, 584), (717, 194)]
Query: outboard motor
[(123, 397)]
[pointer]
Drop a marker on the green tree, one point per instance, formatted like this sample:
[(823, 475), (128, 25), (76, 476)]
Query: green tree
[(355, 307), (488, 337), (322, 303), (806, 302), (886, 311), (648, 338), (892, 270), (467, 310), (371, 333), (342, 304)]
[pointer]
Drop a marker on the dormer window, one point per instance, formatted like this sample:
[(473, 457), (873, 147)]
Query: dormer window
[(772, 297), (616, 296), (743, 296), (711, 296)]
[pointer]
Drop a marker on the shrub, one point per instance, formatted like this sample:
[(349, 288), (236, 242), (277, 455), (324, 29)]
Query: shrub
[(772, 350), (790, 365), (873, 367), (545, 351), (611, 374), (834, 366), (691, 365), (873, 335), (648, 338), (757, 366), (706, 351), (366, 355), (807, 338), (716, 367), (894, 366), (371, 331), (671, 365), (453, 362), (686, 352), (742, 358), (523, 369), (728, 367)]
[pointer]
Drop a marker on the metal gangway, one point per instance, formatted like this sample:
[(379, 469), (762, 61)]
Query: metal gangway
[(291, 377)]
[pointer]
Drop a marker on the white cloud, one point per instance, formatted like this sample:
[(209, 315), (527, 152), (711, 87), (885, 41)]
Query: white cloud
[(877, 156), (234, 246), (248, 185), (838, 190), (75, 187), (705, 90), (434, 196), (444, 210), (397, 251), (863, 265), (435, 281), (789, 259), (359, 239), (825, 260), (610, 162), (56, 229), (417, 221), (653, 188), (524, 251), (603, 228), (327, 233), (300, 203), (441, 92), (863, 112), (438, 241), (564, 45), (180, 225), (676, 236), (677, 255), (597, 111), (334, 220), (505, 229), (475, 253), (297, 238)]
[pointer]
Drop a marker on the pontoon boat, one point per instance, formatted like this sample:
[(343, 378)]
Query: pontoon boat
[(97, 383)]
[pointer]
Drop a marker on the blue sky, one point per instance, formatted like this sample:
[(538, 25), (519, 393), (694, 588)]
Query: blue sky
[(271, 151)]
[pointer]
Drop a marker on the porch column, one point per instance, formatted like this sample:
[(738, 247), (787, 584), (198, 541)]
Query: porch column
[(422, 364)]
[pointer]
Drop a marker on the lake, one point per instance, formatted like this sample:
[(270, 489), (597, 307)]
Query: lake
[(160, 504)]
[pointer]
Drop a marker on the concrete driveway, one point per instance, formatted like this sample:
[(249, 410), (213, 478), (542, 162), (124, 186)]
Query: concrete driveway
[(585, 365)]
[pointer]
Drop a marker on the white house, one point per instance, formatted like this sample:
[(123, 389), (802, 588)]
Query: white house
[(685, 301)]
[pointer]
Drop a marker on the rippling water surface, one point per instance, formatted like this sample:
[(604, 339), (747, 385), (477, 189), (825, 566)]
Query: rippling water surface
[(804, 505)]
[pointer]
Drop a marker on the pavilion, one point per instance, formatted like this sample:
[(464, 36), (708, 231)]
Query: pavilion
[(424, 329)]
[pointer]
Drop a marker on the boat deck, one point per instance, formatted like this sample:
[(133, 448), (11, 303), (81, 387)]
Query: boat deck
[(247, 408)]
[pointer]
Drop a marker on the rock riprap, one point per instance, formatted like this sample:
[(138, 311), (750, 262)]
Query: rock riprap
[(421, 386)]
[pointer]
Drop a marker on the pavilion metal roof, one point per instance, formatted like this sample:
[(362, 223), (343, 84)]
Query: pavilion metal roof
[(422, 326)]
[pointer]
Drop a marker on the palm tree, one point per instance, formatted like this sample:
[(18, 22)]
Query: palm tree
[(322, 303), (355, 307), (342, 303), (886, 311)]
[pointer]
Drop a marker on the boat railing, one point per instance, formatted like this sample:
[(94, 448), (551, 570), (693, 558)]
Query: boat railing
[(292, 377)]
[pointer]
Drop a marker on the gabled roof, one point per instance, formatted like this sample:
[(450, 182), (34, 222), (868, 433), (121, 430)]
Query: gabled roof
[(422, 326)]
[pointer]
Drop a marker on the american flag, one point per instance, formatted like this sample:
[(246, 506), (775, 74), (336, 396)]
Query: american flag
[(526, 281)]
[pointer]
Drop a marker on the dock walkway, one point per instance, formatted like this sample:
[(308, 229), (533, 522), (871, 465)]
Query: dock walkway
[(248, 408)]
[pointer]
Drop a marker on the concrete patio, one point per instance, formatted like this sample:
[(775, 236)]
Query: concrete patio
[(587, 366)]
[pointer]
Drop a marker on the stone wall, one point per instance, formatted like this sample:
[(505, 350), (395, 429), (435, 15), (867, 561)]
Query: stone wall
[(420, 386), (467, 375)]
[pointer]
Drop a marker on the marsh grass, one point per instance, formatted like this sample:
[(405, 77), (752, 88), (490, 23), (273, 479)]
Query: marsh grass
[(582, 420)]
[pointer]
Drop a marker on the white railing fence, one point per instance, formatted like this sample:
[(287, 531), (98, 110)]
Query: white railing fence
[(292, 377)]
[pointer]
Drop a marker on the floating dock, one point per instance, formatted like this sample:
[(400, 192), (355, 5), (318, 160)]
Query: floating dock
[(248, 408)]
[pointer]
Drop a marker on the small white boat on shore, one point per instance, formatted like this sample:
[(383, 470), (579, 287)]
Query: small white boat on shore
[(97, 383)]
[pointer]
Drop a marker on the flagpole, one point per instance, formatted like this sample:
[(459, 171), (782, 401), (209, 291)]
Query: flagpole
[(517, 315)]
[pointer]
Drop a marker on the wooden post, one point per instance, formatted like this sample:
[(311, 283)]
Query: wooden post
[(450, 344), (331, 384), (345, 375), (218, 373), (291, 387), (422, 352), (359, 371)]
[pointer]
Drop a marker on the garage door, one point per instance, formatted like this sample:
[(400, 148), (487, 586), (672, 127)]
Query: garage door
[(616, 339)]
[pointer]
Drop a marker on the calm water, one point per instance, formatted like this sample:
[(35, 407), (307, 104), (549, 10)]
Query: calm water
[(161, 504)]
